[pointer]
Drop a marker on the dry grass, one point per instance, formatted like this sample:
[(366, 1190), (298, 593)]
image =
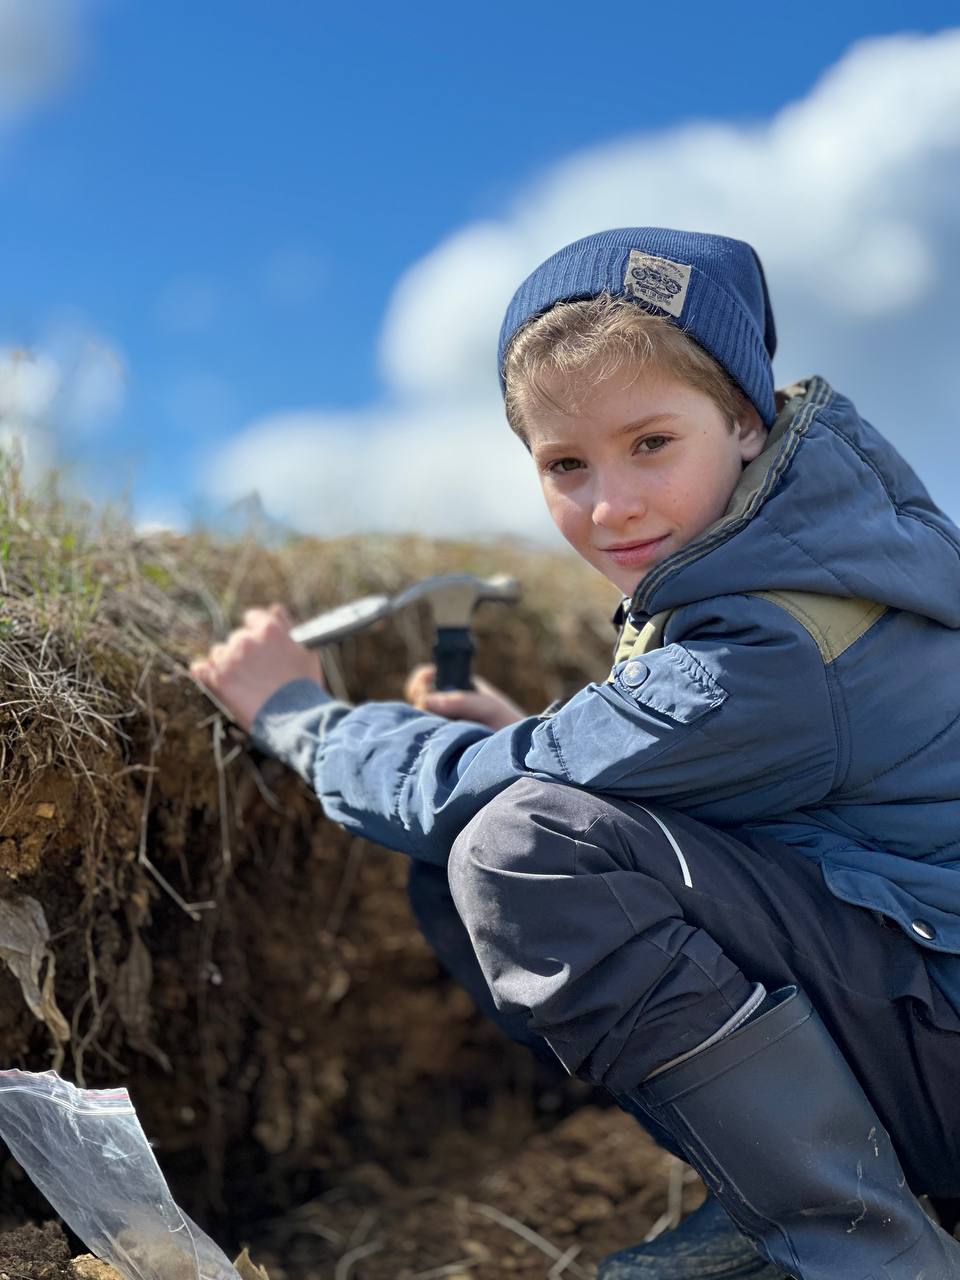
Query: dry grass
[(90, 609)]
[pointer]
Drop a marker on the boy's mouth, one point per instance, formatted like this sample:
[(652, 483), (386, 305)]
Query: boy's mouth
[(630, 554)]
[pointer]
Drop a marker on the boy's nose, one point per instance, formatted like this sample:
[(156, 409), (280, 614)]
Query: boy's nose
[(616, 505)]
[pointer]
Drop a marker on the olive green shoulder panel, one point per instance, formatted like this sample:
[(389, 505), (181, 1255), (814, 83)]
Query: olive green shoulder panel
[(833, 622)]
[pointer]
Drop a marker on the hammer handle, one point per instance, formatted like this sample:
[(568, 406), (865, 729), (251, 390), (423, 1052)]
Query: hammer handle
[(453, 653)]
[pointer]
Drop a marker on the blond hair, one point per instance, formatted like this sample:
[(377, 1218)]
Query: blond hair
[(601, 336)]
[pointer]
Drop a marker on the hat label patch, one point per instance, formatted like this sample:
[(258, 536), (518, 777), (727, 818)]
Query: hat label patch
[(658, 281)]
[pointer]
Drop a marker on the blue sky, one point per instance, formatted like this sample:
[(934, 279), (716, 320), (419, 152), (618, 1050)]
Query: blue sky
[(228, 202)]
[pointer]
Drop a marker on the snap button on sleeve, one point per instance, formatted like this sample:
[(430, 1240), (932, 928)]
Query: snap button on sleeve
[(668, 682), (924, 930), (635, 673)]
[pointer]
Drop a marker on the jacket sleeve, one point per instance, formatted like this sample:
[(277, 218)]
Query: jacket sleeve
[(731, 720)]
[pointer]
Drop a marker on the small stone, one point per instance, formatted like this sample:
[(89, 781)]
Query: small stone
[(587, 1177), (87, 1267), (46, 811), (591, 1209), (339, 986)]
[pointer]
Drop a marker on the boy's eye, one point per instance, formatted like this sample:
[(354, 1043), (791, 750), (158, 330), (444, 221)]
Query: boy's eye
[(649, 444), (653, 444)]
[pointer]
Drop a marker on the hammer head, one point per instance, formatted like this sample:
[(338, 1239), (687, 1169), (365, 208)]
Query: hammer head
[(454, 596), (342, 621)]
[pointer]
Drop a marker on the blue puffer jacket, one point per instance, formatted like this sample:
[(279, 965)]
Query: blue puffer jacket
[(796, 669)]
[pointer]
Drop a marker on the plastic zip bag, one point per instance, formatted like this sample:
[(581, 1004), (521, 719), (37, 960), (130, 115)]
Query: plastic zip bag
[(86, 1151)]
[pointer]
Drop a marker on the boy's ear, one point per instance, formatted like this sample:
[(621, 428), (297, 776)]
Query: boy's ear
[(751, 432)]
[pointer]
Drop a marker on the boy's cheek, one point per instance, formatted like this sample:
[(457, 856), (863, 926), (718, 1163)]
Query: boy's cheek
[(570, 517)]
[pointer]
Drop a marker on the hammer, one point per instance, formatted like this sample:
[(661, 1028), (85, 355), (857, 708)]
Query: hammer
[(452, 598)]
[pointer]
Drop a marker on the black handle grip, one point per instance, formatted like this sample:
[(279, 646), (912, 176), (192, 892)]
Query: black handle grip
[(453, 653)]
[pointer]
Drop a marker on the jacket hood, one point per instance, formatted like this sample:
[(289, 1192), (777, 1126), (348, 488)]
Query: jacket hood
[(829, 507)]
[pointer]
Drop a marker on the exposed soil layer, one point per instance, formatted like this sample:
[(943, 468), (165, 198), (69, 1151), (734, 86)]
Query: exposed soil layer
[(42, 1252), (252, 973), (483, 1206)]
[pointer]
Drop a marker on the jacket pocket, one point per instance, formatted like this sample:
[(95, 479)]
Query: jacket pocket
[(671, 682)]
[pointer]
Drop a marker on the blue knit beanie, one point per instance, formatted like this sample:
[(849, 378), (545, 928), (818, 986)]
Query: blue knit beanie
[(710, 286)]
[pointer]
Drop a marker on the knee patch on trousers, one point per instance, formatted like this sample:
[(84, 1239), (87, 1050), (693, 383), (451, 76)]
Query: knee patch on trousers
[(503, 834)]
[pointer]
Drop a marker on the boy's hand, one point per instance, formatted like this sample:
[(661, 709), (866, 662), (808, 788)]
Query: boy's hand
[(255, 661), (487, 705)]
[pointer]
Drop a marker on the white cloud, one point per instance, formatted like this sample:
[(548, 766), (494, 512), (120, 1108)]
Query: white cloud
[(39, 48), (28, 385), (92, 379), (441, 326), (70, 386), (441, 467), (28, 389), (852, 198)]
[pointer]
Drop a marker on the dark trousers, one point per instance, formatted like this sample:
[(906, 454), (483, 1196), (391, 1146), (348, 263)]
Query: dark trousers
[(622, 936)]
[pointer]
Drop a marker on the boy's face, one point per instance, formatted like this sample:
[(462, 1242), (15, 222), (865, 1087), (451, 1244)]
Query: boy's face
[(639, 468)]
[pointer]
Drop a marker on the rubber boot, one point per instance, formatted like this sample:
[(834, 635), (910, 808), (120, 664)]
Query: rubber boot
[(776, 1124), (707, 1245)]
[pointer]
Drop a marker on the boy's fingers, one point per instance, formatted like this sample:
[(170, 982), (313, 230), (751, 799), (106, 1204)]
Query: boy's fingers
[(259, 616), (458, 706), (419, 682), (490, 708)]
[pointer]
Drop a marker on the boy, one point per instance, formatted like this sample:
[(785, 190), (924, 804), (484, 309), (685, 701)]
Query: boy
[(725, 884)]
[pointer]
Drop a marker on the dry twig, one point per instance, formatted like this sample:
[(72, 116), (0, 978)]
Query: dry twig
[(448, 1269), (345, 1263), (562, 1264), (527, 1233), (357, 1245)]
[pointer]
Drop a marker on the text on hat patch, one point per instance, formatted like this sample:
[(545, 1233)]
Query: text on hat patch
[(657, 280)]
